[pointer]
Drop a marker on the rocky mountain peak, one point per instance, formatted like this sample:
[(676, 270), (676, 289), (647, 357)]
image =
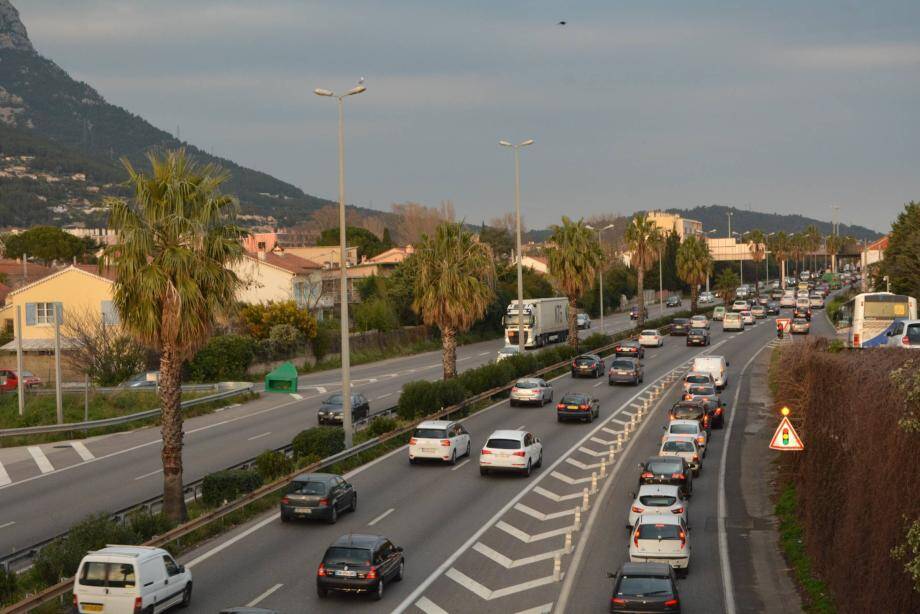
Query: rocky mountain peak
[(13, 33)]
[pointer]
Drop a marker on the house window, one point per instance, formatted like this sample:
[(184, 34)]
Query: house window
[(8, 326), (44, 313)]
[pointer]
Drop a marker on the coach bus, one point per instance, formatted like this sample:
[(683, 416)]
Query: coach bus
[(871, 315)]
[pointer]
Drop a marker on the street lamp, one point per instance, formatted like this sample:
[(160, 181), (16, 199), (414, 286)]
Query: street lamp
[(347, 424), (601, 269), (740, 260), (729, 214), (710, 251), (517, 213)]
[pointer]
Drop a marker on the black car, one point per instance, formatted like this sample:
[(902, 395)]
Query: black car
[(629, 348), (711, 401), (577, 406), (625, 370), (698, 336), (644, 587), (672, 301), (690, 410), (330, 412), (667, 470), (590, 365), (802, 312), (772, 308), (634, 312), (680, 326), (322, 496), (360, 563)]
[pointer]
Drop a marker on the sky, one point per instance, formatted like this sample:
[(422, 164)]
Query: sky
[(780, 106)]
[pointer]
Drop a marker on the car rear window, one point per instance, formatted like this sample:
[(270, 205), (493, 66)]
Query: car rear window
[(307, 488), (584, 361), (649, 333), (697, 379), (643, 586), (504, 444), (110, 575), (702, 390), (526, 384), (681, 321), (622, 364), (664, 466), (677, 446), (338, 555), (657, 500), (430, 434), (573, 399), (684, 429), (913, 334), (659, 531)]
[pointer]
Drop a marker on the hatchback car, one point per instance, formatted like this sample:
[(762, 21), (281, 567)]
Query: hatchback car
[(698, 336), (904, 334), (577, 406), (651, 338), (644, 587), (661, 539), (625, 371), (359, 563), (800, 326), (507, 352), (582, 321), (706, 298), (740, 305), (687, 428), (330, 412), (699, 321), (718, 313), (759, 312), (507, 450), (320, 496), (690, 410), (629, 348), (732, 321), (672, 301), (802, 312), (747, 318), (10, 381), (709, 396), (816, 300), (772, 308), (686, 448), (590, 365), (680, 326), (652, 499), (634, 312), (667, 470), (531, 390), (439, 440), (697, 378)]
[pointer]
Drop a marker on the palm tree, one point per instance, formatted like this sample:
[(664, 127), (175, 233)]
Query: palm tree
[(643, 240), (758, 246), (813, 242), (573, 262), (174, 243), (726, 284), (694, 264), (779, 244), (797, 249), (454, 285), (832, 245)]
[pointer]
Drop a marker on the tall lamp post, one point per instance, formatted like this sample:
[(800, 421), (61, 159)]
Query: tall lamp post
[(740, 260), (601, 270), (517, 239), (710, 251), (347, 423)]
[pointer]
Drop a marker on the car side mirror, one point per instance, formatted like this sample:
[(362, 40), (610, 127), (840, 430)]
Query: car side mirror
[(596, 400), (728, 364), (181, 568), (633, 495), (724, 404), (641, 465)]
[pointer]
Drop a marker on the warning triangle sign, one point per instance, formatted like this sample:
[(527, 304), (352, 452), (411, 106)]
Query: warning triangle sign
[(785, 438)]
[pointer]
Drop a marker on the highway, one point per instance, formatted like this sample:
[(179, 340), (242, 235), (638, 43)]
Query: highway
[(70, 480), (476, 544)]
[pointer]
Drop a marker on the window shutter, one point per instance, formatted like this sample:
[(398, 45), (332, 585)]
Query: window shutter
[(30, 314), (109, 313)]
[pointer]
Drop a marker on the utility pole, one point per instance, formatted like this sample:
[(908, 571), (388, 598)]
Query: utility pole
[(20, 387), (519, 256), (58, 397)]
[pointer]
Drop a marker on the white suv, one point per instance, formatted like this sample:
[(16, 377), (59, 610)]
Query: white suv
[(506, 450), (661, 539), (664, 499), (439, 440), (687, 428)]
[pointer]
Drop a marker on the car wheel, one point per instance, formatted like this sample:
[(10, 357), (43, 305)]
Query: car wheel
[(610, 382), (527, 470), (354, 503), (400, 571), (333, 515), (540, 459), (186, 596), (696, 473), (378, 594), (453, 458), (411, 461), (467, 450), (285, 517), (322, 592)]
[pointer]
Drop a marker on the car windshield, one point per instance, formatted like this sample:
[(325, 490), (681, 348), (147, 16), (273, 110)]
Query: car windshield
[(643, 586), (110, 575), (335, 399), (526, 384), (622, 364), (422, 433), (677, 446), (504, 444), (310, 487), (659, 530), (697, 331), (27, 373), (657, 500), (508, 351), (702, 390), (664, 466), (347, 556), (649, 333), (698, 379), (685, 429), (584, 360), (574, 399)]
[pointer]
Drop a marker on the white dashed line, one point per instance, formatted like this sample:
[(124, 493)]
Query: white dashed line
[(381, 517), (81, 449), (4, 476), (261, 597), (259, 436), (383, 396), (7, 524), (297, 396), (44, 465), (483, 353), (460, 465), (147, 475), (428, 606)]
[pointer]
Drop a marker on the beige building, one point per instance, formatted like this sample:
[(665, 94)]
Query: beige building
[(723, 249), (537, 264), (667, 222), (279, 276)]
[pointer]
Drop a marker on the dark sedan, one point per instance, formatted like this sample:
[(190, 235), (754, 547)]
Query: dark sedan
[(625, 371), (322, 496), (577, 406), (709, 397), (644, 587), (590, 365), (802, 312), (629, 348), (330, 412), (634, 313), (673, 301), (680, 326), (690, 410), (359, 563), (772, 308), (698, 336), (667, 470)]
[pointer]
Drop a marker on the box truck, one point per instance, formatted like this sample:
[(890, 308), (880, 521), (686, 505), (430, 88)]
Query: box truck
[(544, 321)]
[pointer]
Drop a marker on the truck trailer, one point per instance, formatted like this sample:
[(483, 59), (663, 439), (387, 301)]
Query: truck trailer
[(544, 321)]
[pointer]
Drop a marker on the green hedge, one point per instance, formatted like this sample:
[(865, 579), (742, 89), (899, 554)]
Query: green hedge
[(225, 357), (273, 464), (319, 441), (228, 485)]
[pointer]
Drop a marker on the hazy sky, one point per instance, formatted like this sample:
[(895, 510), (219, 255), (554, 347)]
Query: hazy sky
[(788, 106)]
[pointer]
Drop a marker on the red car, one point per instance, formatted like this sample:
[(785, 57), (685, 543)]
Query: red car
[(10, 381)]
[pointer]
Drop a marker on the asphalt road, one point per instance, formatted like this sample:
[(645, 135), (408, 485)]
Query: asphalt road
[(477, 544), (70, 480)]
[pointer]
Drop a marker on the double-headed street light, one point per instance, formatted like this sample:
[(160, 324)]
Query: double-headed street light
[(517, 212), (347, 424), (601, 269)]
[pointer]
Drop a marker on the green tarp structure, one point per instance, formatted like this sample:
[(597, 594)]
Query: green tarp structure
[(282, 379)]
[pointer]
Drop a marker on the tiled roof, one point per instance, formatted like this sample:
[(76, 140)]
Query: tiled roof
[(287, 262)]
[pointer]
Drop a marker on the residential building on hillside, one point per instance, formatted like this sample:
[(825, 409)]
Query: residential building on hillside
[(875, 251), (537, 264), (729, 249), (394, 255), (18, 273), (325, 255), (280, 276), (671, 221)]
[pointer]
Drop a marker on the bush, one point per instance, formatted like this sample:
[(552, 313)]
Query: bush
[(381, 425), (216, 488), (417, 399), (225, 357), (321, 343), (7, 585), (376, 314), (259, 319), (145, 525), (286, 340), (273, 464), (319, 441), (60, 558)]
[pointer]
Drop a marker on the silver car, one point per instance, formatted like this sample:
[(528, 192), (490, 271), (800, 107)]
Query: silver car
[(531, 390)]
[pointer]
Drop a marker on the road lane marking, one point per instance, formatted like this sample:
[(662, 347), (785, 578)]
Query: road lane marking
[(599, 384), (147, 475), (259, 436), (487, 594), (82, 450), (299, 397), (261, 597), (4, 476), (509, 563), (381, 517), (520, 428), (320, 389), (483, 353), (7, 524), (525, 509), (383, 396), (546, 608), (205, 556), (44, 465), (454, 468), (428, 606)]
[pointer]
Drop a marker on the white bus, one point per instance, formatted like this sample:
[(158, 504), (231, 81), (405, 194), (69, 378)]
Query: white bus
[(871, 315)]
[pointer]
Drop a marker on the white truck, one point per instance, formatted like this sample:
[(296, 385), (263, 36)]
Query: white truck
[(544, 321)]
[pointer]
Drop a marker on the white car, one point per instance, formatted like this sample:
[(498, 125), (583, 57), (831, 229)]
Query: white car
[(716, 366), (531, 390), (699, 321), (507, 352), (706, 298), (687, 428), (439, 440), (658, 499), (507, 450), (661, 539), (747, 318), (788, 299), (904, 334), (129, 579), (740, 306), (816, 300), (732, 321), (698, 378), (582, 320), (651, 338), (686, 447)]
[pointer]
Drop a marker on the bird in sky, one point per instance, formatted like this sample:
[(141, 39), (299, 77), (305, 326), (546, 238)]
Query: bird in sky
[(361, 81), (561, 23)]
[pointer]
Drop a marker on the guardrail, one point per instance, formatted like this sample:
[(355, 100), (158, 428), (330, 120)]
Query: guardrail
[(57, 591), (232, 389), (80, 387)]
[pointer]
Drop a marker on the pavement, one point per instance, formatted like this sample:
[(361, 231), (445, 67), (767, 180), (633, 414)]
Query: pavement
[(70, 480)]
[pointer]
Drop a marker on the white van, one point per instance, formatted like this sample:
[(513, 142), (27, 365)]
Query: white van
[(130, 579), (732, 320), (716, 366)]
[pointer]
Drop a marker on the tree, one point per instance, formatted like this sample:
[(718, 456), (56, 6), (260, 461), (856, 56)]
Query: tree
[(798, 247), (779, 244), (375, 314), (902, 257), (175, 242), (757, 244), (453, 285), (726, 284), (499, 239), (258, 319), (415, 220), (694, 264), (368, 244), (100, 348), (812, 238), (642, 240), (832, 245), (573, 264), (385, 241), (48, 244)]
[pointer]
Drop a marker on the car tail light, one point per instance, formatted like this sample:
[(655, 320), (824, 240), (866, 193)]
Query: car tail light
[(138, 604), (372, 574), (486, 451), (514, 389), (683, 539), (573, 364), (285, 500), (324, 501), (520, 453), (582, 407), (445, 442), (670, 603), (905, 340), (560, 406), (856, 340), (636, 538), (321, 572), (413, 441), (76, 604), (648, 474), (696, 457), (678, 476), (718, 411), (637, 510), (677, 510), (617, 601)]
